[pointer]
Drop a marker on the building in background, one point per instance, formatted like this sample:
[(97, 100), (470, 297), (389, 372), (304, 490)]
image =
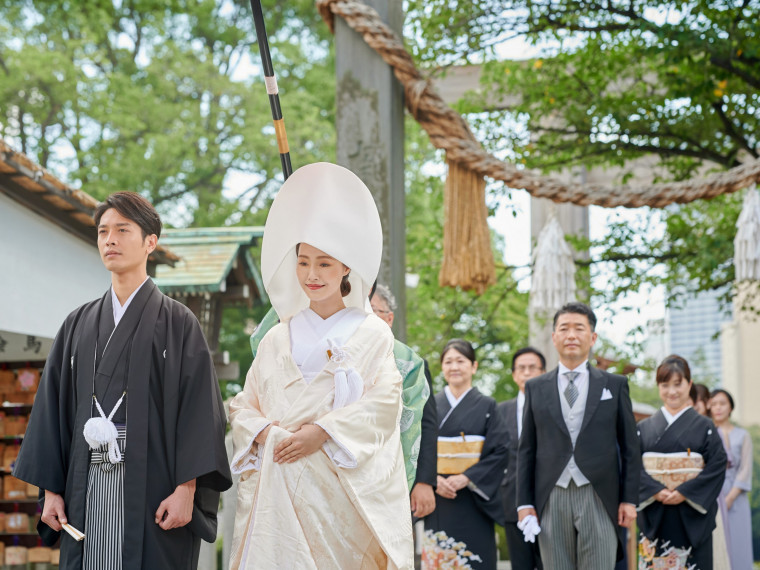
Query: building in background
[(657, 342), (694, 326)]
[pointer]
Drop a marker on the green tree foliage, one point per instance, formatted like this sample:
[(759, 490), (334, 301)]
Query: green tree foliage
[(239, 323), (685, 248), (163, 97), (617, 81), (160, 97)]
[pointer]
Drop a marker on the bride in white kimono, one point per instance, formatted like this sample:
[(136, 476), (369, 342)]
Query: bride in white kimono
[(316, 428)]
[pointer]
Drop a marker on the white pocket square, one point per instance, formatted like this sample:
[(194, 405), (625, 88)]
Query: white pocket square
[(606, 395)]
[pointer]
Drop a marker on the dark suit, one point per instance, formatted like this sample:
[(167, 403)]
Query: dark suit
[(606, 451), (427, 462), (523, 555)]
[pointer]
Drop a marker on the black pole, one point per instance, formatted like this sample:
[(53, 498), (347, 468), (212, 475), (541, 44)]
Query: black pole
[(272, 89)]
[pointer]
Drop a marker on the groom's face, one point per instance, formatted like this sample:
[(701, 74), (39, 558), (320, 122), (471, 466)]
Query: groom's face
[(123, 248)]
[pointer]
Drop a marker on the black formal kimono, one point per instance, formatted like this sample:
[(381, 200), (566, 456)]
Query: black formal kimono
[(173, 412), (467, 520), (689, 524)]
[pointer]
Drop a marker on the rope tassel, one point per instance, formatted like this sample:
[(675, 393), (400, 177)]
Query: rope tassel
[(467, 257), (348, 387)]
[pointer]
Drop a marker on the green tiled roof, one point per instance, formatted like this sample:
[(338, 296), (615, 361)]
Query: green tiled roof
[(207, 255)]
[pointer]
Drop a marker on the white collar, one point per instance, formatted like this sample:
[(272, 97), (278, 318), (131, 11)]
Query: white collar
[(322, 326), (454, 401), (311, 337), (670, 418), (118, 308), (520, 399), (312, 314), (580, 369)]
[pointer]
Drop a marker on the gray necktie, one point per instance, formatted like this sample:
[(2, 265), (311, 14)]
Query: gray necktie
[(571, 392)]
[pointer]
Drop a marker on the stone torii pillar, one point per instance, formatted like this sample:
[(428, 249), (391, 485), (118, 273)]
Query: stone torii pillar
[(370, 125)]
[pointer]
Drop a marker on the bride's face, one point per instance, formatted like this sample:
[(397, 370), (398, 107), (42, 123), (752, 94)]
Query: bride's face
[(319, 274)]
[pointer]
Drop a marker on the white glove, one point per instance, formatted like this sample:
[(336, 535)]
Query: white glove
[(529, 527)]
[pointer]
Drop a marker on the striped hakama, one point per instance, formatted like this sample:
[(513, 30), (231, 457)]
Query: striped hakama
[(104, 518)]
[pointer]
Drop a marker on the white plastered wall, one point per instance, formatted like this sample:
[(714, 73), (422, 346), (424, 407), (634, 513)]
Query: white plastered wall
[(45, 272)]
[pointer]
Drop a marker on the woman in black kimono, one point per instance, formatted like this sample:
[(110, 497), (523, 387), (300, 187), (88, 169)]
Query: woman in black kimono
[(681, 518), (461, 527)]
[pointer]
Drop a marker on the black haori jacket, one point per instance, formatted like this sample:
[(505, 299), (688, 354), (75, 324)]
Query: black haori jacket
[(175, 424)]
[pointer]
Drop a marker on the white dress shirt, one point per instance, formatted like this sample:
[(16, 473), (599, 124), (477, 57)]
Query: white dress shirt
[(581, 381), (520, 408)]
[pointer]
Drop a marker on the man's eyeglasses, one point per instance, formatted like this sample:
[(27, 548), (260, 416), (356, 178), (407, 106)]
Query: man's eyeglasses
[(525, 367), (380, 311)]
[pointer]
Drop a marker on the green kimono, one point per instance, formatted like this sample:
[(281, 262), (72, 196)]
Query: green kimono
[(415, 386)]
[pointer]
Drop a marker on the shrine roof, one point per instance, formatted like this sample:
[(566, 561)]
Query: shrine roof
[(212, 261)]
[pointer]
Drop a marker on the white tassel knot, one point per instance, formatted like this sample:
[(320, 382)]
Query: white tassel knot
[(102, 431), (349, 385)]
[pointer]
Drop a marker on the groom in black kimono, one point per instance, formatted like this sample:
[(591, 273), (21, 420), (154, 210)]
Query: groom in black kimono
[(147, 497)]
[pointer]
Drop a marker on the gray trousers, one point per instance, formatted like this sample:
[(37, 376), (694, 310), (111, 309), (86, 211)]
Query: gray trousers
[(576, 531)]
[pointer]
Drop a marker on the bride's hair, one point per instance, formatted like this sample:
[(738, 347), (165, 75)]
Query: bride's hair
[(345, 286)]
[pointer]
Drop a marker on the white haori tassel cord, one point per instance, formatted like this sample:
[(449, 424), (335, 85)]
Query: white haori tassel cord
[(349, 385), (102, 431)]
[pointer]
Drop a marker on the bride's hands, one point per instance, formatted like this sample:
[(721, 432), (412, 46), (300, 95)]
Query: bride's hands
[(308, 439)]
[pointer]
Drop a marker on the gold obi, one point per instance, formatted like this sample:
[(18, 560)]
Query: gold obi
[(457, 454), (672, 469)]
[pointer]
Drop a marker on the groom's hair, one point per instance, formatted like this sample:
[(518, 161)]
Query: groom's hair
[(133, 207)]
